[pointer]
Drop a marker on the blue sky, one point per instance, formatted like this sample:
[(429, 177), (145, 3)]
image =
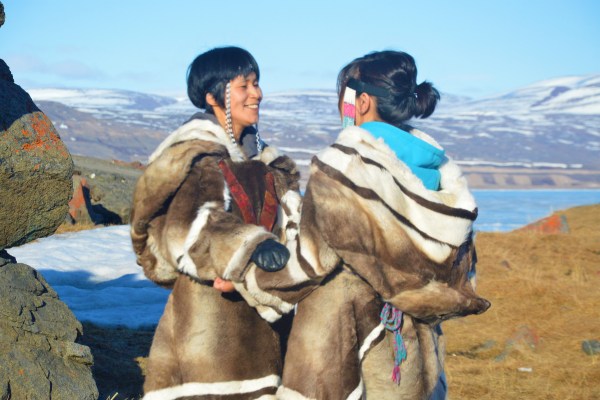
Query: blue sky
[(469, 47)]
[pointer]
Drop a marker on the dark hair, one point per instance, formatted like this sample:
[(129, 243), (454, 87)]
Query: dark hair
[(211, 71), (396, 72)]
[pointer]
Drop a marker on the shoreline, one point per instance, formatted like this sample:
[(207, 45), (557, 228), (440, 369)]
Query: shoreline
[(527, 178), (535, 189)]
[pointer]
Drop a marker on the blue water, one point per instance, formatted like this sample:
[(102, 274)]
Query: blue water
[(505, 210)]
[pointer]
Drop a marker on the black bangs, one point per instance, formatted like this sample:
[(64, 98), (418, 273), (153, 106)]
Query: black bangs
[(211, 71)]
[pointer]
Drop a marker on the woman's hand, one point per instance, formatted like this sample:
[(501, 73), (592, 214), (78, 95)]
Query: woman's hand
[(223, 285)]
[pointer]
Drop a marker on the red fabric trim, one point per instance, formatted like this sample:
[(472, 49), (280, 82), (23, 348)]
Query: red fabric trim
[(238, 193), (268, 214), (269, 209)]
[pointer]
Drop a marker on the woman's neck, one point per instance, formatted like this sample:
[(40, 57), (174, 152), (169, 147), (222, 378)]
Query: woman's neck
[(222, 118)]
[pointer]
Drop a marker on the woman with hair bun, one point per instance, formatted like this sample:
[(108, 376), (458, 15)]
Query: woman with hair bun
[(210, 204), (383, 251)]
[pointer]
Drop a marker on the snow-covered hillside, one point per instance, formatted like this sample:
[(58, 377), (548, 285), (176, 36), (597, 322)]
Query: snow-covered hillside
[(553, 123)]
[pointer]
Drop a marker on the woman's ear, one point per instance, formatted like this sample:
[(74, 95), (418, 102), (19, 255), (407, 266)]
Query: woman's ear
[(363, 103), (366, 109), (210, 100)]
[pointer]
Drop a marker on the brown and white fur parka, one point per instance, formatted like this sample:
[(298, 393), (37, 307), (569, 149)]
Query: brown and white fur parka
[(369, 233), (187, 229)]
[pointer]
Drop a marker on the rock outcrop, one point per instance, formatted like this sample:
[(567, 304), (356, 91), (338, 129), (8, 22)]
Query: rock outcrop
[(103, 191), (556, 223), (81, 209), (39, 355), (40, 358), (35, 168)]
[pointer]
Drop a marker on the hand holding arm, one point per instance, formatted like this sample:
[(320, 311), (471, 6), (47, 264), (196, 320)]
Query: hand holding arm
[(270, 256)]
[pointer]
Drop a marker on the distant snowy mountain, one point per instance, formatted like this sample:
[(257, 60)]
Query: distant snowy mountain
[(550, 123), (553, 123)]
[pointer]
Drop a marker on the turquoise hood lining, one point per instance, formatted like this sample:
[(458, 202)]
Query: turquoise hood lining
[(422, 158)]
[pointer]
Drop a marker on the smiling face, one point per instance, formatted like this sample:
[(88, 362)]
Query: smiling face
[(246, 96)]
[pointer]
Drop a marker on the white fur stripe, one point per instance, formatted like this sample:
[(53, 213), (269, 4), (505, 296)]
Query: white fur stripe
[(262, 297), (369, 341), (240, 256), (186, 264), (163, 269), (268, 154), (201, 129), (284, 393), (369, 147), (217, 388), (292, 201), (293, 268), (358, 392), (437, 252), (226, 197), (448, 229), (268, 313)]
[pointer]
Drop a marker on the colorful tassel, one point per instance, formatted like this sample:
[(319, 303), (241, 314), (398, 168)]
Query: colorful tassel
[(348, 107), (392, 318)]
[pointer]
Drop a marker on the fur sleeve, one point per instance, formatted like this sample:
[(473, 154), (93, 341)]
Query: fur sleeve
[(311, 260), (180, 219), (367, 212)]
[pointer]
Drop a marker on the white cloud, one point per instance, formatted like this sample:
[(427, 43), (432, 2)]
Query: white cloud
[(66, 69)]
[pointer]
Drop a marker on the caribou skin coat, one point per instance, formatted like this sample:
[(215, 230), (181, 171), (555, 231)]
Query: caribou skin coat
[(189, 227), (369, 232)]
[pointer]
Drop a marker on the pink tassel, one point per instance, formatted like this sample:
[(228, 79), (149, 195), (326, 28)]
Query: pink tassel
[(396, 375), (349, 110)]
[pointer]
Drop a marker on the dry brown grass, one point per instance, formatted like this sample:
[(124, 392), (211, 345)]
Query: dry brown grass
[(545, 295), (81, 226)]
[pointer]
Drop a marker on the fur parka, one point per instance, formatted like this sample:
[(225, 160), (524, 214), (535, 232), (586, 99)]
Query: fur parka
[(189, 227), (369, 232)]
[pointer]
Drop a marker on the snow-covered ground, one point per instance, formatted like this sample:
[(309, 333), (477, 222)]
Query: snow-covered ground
[(94, 272)]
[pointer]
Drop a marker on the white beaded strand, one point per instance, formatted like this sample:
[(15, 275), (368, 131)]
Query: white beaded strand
[(228, 124), (259, 146)]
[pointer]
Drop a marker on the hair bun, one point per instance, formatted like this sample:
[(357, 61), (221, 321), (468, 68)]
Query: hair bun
[(427, 97)]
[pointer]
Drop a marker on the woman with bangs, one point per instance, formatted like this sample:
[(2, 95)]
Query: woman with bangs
[(210, 203)]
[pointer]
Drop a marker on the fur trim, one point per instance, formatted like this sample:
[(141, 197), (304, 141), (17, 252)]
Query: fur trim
[(353, 156), (261, 297), (358, 392), (370, 340), (268, 155), (268, 314), (425, 137), (284, 393), (186, 264), (291, 201), (216, 388), (239, 259), (226, 197), (199, 129)]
